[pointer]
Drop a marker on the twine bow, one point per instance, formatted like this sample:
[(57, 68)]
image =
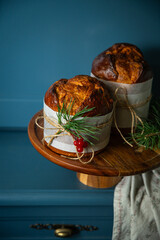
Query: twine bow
[(60, 132)]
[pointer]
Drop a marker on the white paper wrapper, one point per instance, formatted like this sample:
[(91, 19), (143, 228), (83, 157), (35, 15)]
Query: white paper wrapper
[(136, 93), (65, 143)]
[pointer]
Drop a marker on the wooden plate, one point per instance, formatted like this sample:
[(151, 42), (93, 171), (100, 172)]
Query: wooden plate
[(118, 159)]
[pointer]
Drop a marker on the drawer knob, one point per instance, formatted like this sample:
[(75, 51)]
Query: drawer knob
[(63, 232)]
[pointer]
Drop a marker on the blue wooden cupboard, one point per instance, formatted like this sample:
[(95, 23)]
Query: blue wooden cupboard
[(35, 191)]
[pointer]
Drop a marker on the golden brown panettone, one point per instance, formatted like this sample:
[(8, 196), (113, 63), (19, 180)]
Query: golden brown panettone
[(84, 91), (123, 63)]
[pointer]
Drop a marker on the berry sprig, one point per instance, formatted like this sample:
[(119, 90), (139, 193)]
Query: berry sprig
[(77, 125), (80, 144)]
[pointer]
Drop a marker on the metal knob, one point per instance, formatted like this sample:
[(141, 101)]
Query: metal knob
[(63, 232)]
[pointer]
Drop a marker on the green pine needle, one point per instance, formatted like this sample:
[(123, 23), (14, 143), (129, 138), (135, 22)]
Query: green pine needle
[(150, 138), (77, 124)]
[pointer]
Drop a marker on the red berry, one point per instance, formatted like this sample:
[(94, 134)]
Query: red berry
[(75, 143), (80, 139), (80, 142), (79, 149), (85, 144)]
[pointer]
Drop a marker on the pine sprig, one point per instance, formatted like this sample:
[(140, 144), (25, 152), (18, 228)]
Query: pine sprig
[(77, 124), (149, 135)]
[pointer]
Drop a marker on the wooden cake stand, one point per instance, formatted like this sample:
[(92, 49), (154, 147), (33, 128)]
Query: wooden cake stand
[(107, 168)]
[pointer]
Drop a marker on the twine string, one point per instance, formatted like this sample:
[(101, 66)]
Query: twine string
[(61, 131), (80, 157), (134, 116)]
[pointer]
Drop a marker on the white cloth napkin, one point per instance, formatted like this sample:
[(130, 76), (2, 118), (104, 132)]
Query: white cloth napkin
[(137, 207)]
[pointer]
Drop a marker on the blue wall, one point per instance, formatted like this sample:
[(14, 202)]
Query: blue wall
[(42, 41)]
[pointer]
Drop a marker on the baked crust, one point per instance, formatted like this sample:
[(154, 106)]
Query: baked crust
[(123, 63), (84, 90)]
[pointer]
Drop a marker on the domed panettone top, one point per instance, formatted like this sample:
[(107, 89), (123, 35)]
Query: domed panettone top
[(123, 63), (84, 90)]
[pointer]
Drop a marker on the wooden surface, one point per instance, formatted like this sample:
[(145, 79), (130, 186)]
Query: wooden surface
[(118, 159), (98, 181)]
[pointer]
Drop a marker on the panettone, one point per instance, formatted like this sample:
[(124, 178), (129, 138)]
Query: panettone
[(129, 79), (123, 63), (84, 91)]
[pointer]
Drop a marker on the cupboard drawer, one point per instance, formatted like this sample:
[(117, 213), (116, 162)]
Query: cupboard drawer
[(16, 221), (19, 228)]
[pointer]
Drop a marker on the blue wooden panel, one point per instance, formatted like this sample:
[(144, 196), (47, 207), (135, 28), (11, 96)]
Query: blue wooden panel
[(24, 173), (43, 41), (48, 209), (28, 179), (22, 167)]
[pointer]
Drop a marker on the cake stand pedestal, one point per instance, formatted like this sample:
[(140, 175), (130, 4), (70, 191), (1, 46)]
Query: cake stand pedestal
[(107, 168), (98, 181)]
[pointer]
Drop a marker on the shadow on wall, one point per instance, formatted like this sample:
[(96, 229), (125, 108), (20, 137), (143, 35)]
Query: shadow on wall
[(152, 57)]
